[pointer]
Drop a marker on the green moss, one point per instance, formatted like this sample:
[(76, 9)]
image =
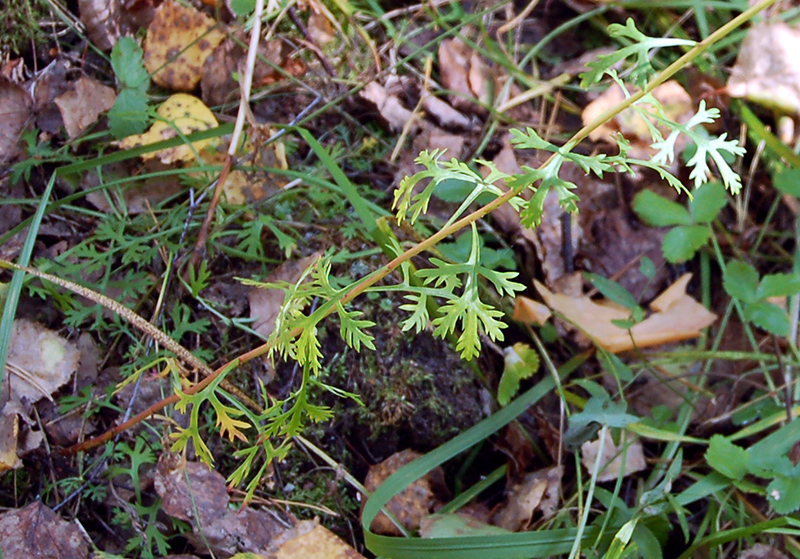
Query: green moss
[(21, 25)]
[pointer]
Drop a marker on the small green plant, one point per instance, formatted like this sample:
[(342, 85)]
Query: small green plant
[(741, 281), (129, 114), (690, 228)]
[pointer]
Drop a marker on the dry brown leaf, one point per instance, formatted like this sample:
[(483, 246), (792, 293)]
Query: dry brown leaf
[(767, 69), (537, 491), (185, 112), (464, 72), (39, 362), (36, 531), (219, 84), (194, 493), (315, 542), (15, 113), (81, 106), (265, 304), (16, 437), (389, 106), (411, 505), (108, 20), (178, 41), (761, 551), (529, 311), (612, 465), (681, 318)]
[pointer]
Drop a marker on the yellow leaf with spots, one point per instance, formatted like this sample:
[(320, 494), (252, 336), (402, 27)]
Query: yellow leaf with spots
[(180, 112), (178, 41)]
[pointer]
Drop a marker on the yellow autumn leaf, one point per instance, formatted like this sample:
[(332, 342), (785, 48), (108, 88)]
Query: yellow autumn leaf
[(180, 112)]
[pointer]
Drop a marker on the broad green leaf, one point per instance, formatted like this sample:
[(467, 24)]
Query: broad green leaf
[(615, 366), (612, 291), (521, 361), (727, 458), (778, 285), (657, 211), (787, 181), (783, 494), (242, 8), (682, 243), (741, 281), (129, 114), (708, 200), (647, 268), (128, 64), (768, 317)]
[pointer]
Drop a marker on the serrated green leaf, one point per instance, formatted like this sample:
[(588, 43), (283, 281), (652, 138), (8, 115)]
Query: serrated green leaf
[(741, 281), (682, 243), (778, 285), (783, 494), (707, 202), (727, 458), (521, 361), (128, 64), (242, 8), (768, 317), (657, 211), (612, 291), (129, 114)]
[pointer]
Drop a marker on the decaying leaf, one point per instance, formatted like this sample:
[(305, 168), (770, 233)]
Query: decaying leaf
[(16, 436), (414, 503), (36, 531), (220, 84), (463, 71), (81, 106), (266, 303), (389, 106), (179, 112), (678, 107), (39, 362), (179, 40), (108, 20), (612, 465), (767, 70), (15, 113), (456, 525), (537, 491), (761, 551), (196, 494), (676, 317), (311, 541)]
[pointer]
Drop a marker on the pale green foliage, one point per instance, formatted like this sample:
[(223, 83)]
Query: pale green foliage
[(642, 45)]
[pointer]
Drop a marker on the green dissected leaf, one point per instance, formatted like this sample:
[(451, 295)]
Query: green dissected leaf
[(787, 181), (783, 493), (521, 361), (129, 114), (778, 285), (641, 47), (727, 458), (352, 328), (657, 211), (768, 317), (128, 64), (682, 243), (418, 307), (530, 140), (741, 281), (707, 202), (612, 291)]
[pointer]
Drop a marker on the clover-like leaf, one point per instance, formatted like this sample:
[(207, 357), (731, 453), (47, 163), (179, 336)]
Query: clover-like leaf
[(681, 243), (768, 317), (741, 281), (707, 202), (657, 211), (778, 285)]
